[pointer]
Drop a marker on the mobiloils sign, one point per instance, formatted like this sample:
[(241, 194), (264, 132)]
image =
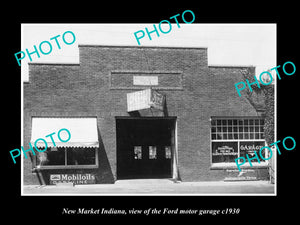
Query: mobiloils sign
[(86, 178), (45, 47)]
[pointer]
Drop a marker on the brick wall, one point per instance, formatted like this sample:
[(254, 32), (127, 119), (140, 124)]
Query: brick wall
[(84, 90)]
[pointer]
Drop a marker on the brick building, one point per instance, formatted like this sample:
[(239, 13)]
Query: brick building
[(201, 129)]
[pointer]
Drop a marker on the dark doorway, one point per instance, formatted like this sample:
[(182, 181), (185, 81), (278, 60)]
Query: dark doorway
[(145, 147)]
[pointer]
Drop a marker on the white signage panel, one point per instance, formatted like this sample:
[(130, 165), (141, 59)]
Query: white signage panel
[(138, 100), (145, 80)]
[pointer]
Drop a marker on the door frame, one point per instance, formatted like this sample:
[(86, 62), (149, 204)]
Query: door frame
[(174, 158)]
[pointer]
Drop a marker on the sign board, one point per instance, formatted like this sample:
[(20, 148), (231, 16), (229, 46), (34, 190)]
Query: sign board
[(224, 151), (242, 178), (250, 147), (243, 175), (238, 171), (145, 80), (157, 100), (145, 99), (86, 178), (138, 100)]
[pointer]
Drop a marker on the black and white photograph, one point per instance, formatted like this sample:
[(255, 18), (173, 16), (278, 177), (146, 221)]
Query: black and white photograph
[(150, 114), (177, 115)]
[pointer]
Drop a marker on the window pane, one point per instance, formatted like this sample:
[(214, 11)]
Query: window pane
[(81, 156), (249, 147), (228, 129), (152, 152), (224, 152), (137, 152), (262, 122), (168, 152), (213, 122), (51, 157)]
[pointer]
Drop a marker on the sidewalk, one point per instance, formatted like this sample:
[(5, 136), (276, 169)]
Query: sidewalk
[(157, 187)]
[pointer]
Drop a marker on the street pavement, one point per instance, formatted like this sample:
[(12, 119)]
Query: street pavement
[(156, 187)]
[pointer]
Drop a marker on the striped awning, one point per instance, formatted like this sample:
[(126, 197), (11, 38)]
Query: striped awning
[(83, 132)]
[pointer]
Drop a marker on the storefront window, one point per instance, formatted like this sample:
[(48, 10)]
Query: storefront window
[(66, 157), (235, 137), (249, 147), (224, 151), (51, 157), (79, 156), (230, 129)]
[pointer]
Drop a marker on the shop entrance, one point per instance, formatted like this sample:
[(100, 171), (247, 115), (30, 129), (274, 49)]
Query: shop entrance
[(145, 147)]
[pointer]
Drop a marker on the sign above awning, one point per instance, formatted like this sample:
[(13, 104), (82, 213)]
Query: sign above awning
[(83, 131), (145, 99)]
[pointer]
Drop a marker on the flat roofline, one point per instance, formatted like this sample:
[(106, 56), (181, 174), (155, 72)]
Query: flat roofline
[(53, 64), (135, 46), (237, 117), (145, 118), (229, 66)]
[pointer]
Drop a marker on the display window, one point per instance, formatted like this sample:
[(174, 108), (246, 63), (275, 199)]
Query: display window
[(235, 137), (65, 157)]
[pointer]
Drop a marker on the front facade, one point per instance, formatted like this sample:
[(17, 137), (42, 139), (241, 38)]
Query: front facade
[(202, 128)]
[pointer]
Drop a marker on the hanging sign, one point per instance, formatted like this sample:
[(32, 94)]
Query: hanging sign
[(145, 99), (157, 100)]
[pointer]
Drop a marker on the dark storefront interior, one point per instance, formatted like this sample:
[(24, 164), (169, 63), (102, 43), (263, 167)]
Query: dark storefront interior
[(145, 147)]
